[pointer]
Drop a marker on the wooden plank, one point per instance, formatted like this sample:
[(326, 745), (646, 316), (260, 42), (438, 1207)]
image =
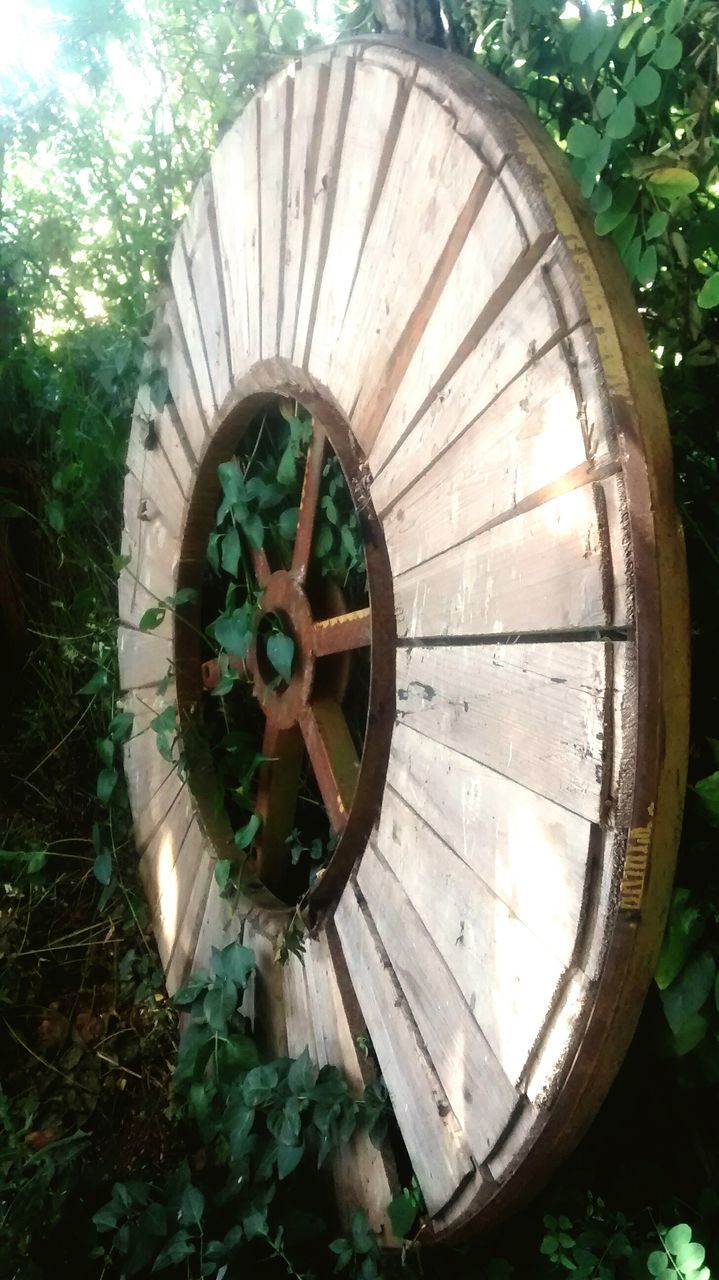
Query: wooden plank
[(164, 873), (192, 880), (487, 360), (559, 1041), (328, 159), (235, 182), (144, 658), (364, 1177), (409, 232), (308, 107), (439, 1156), (531, 853), (507, 976), (153, 552), (275, 107), (190, 320), (181, 379), (147, 462), (174, 444), (533, 712), (199, 236), (493, 245), (544, 570), (375, 113)]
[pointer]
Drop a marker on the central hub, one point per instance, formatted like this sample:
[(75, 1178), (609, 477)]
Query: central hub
[(284, 603)]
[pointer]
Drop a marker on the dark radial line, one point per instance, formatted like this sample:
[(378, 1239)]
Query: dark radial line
[(318, 125), (220, 276), (581, 636), (198, 317), (515, 277), (286, 143)]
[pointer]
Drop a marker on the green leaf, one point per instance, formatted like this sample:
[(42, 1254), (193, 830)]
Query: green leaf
[(677, 1236), (234, 632), (232, 482), (165, 722), (690, 1257), (96, 682), (281, 651), (673, 14), (234, 961), (648, 42), (629, 31), (669, 53), (102, 867), (657, 225), (402, 1213), (287, 468), (707, 298), (646, 86), (105, 750), (231, 551), (582, 140), (684, 928), (197, 982), (606, 101), (192, 1206), (55, 512), (179, 1247), (302, 1074), (152, 618), (622, 120), (220, 1004), (186, 595), (288, 1159), (244, 837), (120, 725), (288, 523), (689, 991), (106, 783), (673, 181), (323, 541), (647, 269), (657, 1262), (624, 233), (623, 198), (254, 530)]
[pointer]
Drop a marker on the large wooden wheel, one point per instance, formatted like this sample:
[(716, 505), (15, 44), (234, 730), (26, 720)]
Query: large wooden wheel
[(388, 238)]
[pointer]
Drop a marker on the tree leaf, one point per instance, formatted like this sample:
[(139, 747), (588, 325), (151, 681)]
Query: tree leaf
[(646, 86), (287, 523), (669, 53), (582, 140), (648, 42), (707, 298), (647, 268), (657, 1262), (606, 101), (657, 225), (622, 120), (678, 1236), (192, 1206), (673, 181), (281, 651), (673, 14), (690, 1257)]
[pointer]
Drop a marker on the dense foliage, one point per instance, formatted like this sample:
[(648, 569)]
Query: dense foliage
[(97, 164)]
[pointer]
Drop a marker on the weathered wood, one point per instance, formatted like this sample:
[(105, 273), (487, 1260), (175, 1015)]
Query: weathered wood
[(201, 253), (174, 359), (531, 853), (533, 712), (547, 569), (145, 658), (187, 308), (507, 975), (440, 1158), (150, 467), (276, 119)]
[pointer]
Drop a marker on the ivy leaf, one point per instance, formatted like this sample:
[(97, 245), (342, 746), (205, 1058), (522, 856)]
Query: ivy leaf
[(186, 595), (106, 783), (689, 991), (244, 837), (708, 298), (192, 1206), (288, 1159), (622, 120), (288, 523), (234, 632), (254, 530), (685, 927), (213, 551), (669, 53), (102, 867), (96, 682), (165, 722), (120, 725), (302, 1074), (179, 1247), (152, 618), (220, 1004), (234, 961), (402, 1213), (232, 482), (582, 140), (196, 984), (646, 86), (323, 541), (672, 181), (657, 1262), (106, 750), (231, 551), (281, 651), (287, 468)]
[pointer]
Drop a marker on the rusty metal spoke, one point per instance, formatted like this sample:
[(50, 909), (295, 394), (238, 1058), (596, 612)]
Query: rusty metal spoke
[(276, 801), (347, 631), (308, 503), (261, 567), (333, 757)]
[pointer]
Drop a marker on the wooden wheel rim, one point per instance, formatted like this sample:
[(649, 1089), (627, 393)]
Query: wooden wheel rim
[(345, 296)]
